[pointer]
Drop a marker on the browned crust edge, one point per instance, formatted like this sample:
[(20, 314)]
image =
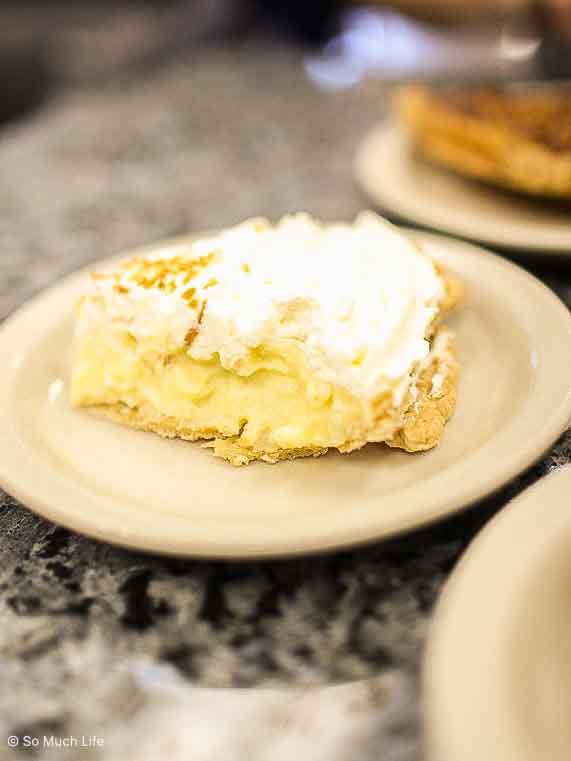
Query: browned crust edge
[(427, 414)]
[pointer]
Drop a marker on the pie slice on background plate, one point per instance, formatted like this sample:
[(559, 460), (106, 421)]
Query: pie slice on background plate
[(519, 139)]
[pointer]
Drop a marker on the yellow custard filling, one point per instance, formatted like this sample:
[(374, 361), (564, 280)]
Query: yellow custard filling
[(273, 403)]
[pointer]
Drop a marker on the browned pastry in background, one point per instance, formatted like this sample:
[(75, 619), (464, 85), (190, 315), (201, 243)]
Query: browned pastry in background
[(516, 139)]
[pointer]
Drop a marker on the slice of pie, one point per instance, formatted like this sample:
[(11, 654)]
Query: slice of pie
[(274, 342), (517, 139)]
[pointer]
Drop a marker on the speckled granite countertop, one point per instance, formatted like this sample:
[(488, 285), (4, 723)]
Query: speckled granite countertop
[(99, 641)]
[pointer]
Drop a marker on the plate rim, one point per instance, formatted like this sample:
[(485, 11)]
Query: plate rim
[(462, 614), (512, 465), (362, 161)]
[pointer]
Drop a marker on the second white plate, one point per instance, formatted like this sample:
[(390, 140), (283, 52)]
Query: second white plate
[(403, 184), (498, 664)]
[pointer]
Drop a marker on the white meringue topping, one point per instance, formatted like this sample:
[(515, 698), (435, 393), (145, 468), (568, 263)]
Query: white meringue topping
[(357, 299)]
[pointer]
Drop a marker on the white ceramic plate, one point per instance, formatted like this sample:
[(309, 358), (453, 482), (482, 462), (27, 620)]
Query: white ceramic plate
[(498, 664), (403, 184), (136, 489)]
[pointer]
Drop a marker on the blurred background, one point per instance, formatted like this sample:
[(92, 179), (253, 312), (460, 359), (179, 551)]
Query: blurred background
[(122, 123), (46, 45)]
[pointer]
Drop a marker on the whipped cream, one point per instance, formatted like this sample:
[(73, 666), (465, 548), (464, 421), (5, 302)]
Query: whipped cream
[(357, 299)]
